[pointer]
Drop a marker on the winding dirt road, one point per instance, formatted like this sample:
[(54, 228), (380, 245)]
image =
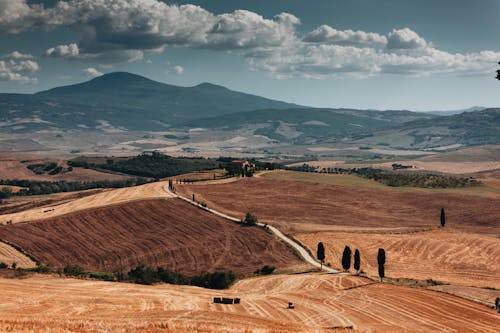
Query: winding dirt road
[(296, 246)]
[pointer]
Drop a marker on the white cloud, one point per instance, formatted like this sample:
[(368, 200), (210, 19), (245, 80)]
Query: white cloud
[(328, 35), (64, 51), (91, 72), (18, 55), (179, 70), (405, 39), (113, 31), (18, 70)]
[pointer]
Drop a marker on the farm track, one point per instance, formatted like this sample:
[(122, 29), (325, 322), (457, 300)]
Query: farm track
[(160, 232), (296, 246)]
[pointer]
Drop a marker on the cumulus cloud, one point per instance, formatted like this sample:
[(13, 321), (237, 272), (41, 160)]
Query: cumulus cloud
[(91, 72), (328, 35), (179, 70), (115, 31), (405, 39), (64, 51), (18, 55), (18, 70)]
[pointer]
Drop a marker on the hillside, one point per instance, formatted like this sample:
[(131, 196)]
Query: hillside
[(466, 129), (120, 100), (306, 126), (160, 232), (40, 303)]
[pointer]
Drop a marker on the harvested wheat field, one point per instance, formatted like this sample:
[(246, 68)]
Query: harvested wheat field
[(446, 256), (164, 232), (10, 255), (46, 303), (104, 198), (15, 166), (307, 207)]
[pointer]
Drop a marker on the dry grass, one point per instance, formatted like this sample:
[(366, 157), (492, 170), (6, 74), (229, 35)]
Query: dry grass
[(451, 257), (10, 255), (105, 198), (48, 304)]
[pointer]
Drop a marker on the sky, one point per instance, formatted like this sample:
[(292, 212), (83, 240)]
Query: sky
[(418, 55)]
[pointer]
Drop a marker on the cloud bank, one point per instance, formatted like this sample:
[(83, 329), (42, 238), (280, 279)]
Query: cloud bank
[(115, 31)]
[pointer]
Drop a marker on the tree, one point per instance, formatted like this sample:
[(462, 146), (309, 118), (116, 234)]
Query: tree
[(346, 258), (320, 253), (381, 263), (250, 220), (498, 73), (357, 260), (443, 218)]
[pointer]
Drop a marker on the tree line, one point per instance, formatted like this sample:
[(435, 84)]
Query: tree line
[(414, 179), (31, 187)]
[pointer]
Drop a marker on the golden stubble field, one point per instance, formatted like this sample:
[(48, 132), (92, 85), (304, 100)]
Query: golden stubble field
[(50, 304)]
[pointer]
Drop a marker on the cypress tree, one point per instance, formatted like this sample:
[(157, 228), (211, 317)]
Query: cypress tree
[(357, 260), (443, 218), (320, 253), (381, 263), (346, 258)]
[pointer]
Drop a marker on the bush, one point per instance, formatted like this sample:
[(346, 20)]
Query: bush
[(250, 220), (215, 280), (73, 270), (143, 274), (266, 270), (3, 265), (102, 276)]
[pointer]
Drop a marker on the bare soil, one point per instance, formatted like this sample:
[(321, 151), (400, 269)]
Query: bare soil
[(308, 207), (163, 232)]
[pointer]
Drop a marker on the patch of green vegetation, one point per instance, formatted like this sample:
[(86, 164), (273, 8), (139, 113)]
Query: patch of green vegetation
[(155, 165), (43, 187)]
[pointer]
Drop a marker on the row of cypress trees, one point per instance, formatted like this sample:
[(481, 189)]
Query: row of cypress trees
[(346, 259)]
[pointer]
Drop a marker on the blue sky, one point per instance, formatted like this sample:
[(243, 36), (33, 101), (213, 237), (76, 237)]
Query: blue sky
[(418, 55)]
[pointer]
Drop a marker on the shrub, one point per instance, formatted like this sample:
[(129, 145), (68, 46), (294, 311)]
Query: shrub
[(3, 265), (102, 276), (265, 270), (250, 220), (73, 270), (215, 280)]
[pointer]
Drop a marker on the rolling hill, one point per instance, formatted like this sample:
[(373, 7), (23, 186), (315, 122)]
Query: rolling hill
[(123, 101)]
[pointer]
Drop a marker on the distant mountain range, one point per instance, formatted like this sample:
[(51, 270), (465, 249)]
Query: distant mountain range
[(118, 102), (125, 101)]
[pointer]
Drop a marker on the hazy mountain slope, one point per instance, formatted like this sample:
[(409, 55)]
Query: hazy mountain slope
[(123, 101), (309, 125), (468, 129)]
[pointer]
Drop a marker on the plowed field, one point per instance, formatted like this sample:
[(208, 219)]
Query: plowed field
[(49, 304), (302, 206), (164, 232)]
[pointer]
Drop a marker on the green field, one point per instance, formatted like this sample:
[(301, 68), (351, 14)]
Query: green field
[(487, 189)]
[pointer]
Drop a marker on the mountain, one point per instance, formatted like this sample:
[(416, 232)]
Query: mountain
[(464, 129), (452, 112), (124, 101), (309, 125)]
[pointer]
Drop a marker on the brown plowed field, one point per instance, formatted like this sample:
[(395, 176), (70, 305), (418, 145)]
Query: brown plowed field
[(164, 232), (43, 304), (101, 199), (303, 206), (452, 257)]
